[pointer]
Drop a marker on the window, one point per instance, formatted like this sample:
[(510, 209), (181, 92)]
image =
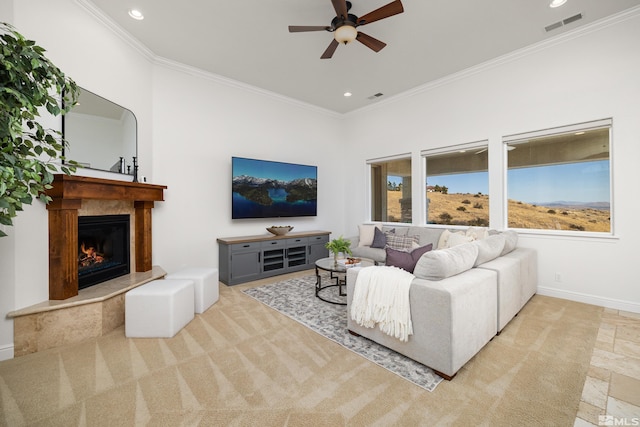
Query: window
[(457, 185), (560, 179), (391, 190)]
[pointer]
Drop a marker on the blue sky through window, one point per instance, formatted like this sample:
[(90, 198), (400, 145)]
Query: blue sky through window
[(575, 182)]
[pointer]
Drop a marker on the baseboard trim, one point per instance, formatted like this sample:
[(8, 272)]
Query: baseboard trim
[(616, 304), (6, 352)]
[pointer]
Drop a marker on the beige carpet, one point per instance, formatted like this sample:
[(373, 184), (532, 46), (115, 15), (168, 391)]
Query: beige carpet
[(242, 363)]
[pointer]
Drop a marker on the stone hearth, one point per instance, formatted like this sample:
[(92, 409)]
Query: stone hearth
[(95, 311), (70, 315)]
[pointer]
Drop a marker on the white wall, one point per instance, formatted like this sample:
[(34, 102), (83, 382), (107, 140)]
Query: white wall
[(585, 76), (7, 291), (199, 124)]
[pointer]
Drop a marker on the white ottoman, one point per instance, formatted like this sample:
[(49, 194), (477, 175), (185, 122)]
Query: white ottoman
[(158, 309), (206, 285)]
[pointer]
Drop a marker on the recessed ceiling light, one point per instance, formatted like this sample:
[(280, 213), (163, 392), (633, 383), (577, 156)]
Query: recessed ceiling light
[(557, 3), (347, 94), (136, 14)]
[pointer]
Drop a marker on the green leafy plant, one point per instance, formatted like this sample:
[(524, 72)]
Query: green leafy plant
[(339, 245), (29, 83)]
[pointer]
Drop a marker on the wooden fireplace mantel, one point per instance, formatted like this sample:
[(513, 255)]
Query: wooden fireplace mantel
[(67, 193)]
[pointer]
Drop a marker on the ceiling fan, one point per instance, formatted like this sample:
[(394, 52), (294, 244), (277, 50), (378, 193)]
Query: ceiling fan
[(344, 25)]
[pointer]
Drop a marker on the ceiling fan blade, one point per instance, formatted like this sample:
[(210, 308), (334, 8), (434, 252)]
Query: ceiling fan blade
[(370, 42), (332, 48), (386, 11), (341, 8), (301, 28)]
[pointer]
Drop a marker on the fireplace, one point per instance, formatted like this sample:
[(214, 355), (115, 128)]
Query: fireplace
[(71, 194), (70, 316), (103, 248)]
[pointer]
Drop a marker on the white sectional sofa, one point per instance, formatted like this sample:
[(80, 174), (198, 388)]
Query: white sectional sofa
[(461, 298)]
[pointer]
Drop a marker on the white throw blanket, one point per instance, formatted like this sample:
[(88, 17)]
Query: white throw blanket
[(381, 296)]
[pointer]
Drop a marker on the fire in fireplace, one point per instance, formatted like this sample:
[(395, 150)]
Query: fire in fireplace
[(103, 248)]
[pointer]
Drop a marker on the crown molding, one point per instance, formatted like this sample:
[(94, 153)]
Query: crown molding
[(476, 69), (507, 58), (123, 35), (206, 75), (97, 13)]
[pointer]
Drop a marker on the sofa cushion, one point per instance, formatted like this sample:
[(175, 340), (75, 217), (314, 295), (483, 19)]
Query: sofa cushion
[(406, 260), (510, 241), (375, 254), (489, 248), (366, 234), (399, 231), (443, 263), (402, 243), (380, 238), (426, 234)]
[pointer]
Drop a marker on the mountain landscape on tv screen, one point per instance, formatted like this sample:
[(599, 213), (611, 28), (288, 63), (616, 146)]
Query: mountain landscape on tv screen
[(263, 197)]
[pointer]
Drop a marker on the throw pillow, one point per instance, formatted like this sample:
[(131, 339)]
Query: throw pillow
[(406, 260), (380, 238), (401, 243), (366, 234), (444, 237), (489, 248), (460, 238), (443, 263), (511, 240), (477, 233)]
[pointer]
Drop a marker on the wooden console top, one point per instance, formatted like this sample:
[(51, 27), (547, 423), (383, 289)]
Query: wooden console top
[(266, 237)]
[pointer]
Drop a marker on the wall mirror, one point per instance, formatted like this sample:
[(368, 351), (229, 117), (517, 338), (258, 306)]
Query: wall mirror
[(100, 134)]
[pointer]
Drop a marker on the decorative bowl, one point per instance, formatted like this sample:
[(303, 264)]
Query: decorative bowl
[(279, 230), (350, 262)]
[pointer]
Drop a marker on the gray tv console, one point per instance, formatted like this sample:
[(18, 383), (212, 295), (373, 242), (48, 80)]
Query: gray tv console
[(247, 258)]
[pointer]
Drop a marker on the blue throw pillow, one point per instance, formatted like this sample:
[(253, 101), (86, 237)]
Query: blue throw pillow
[(406, 260)]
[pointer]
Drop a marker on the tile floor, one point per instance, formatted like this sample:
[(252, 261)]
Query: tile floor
[(611, 394)]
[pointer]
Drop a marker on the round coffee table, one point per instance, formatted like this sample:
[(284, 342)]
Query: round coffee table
[(337, 272)]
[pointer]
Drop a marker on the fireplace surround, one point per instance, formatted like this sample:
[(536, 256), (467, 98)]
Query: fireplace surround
[(68, 193), (71, 315)]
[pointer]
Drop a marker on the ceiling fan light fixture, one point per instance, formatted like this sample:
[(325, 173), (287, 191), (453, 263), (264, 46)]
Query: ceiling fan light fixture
[(345, 34), (557, 3)]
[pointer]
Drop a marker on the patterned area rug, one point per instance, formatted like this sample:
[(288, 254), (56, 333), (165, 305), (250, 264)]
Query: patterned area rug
[(296, 299)]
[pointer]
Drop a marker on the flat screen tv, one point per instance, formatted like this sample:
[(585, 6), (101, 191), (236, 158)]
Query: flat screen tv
[(267, 189)]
